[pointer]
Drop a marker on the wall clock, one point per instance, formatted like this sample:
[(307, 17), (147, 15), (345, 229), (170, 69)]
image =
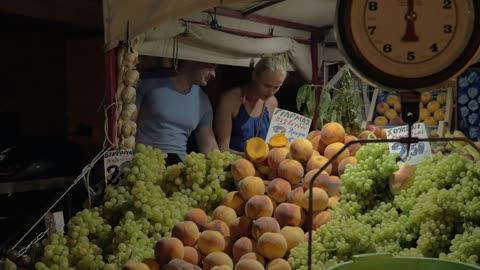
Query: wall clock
[(408, 44)]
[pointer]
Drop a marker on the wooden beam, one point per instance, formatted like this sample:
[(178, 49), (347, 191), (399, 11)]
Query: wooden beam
[(260, 7), (81, 13)]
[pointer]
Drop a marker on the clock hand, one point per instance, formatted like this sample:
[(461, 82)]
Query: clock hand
[(410, 17)]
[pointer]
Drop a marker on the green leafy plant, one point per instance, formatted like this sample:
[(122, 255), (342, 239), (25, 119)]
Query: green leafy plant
[(340, 105)]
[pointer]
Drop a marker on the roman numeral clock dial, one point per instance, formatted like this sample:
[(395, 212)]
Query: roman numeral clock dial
[(408, 44)]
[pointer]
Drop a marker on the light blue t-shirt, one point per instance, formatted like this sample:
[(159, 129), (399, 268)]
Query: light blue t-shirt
[(167, 117)]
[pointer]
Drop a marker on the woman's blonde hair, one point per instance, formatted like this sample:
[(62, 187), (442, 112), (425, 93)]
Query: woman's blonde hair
[(271, 63)]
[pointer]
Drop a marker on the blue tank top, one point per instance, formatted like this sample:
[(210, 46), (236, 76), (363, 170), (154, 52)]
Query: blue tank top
[(245, 127)]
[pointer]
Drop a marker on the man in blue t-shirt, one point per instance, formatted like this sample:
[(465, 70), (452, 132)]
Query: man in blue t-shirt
[(172, 105)]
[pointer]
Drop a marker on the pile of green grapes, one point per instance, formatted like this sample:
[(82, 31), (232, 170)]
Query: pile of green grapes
[(135, 215), (437, 216)]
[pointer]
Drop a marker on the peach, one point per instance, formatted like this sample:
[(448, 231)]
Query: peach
[(430, 121), (296, 196), (256, 149), (334, 186), (402, 178), (216, 258), (397, 107), (234, 200), (333, 201), (306, 235), (222, 267), (242, 168), (167, 249), (392, 99), (291, 170), (272, 245), (273, 174), (317, 162), (197, 216), (224, 213), (319, 199), (219, 226), (176, 264), (316, 142), (264, 224), (433, 106), (352, 148), (275, 156), (442, 98), (258, 206), (301, 149), (321, 181), (192, 255), (312, 134), (210, 241), (278, 264), (228, 245), (396, 121), (315, 153), (380, 121), (439, 115), (242, 246), (187, 232), (249, 264), (288, 214), (390, 114), (254, 256), (332, 132), (380, 133), (423, 114), (364, 135), (152, 264), (382, 107), (241, 227), (278, 190), (320, 218), (293, 235), (333, 148), (251, 186), (263, 167), (343, 164)]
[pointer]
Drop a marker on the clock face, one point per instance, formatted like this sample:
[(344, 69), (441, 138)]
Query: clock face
[(408, 43)]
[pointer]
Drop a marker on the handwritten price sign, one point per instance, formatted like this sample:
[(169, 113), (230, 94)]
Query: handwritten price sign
[(292, 124), (418, 151), (113, 162)]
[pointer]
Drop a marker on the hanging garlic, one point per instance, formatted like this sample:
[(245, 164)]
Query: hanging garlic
[(129, 128), (131, 58), (131, 77), (129, 142), (128, 95), (129, 111)]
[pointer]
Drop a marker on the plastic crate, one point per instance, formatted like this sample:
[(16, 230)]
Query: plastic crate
[(385, 261)]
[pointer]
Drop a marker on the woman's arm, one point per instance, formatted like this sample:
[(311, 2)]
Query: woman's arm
[(222, 122), (272, 104)]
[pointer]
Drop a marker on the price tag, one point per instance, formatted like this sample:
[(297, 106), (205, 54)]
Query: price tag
[(294, 125), (418, 151), (113, 162)]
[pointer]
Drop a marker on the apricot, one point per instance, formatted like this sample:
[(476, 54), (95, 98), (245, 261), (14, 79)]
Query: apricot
[(210, 241), (219, 226), (216, 258), (251, 186), (291, 170), (332, 132), (278, 264), (320, 218), (312, 134), (249, 264), (380, 121), (433, 106), (242, 168), (392, 99), (256, 149), (176, 264), (321, 181), (296, 196), (319, 199), (293, 235), (317, 162), (241, 227), (224, 213), (352, 148), (301, 149), (234, 200), (259, 206), (241, 247), (275, 156), (288, 214), (167, 249), (264, 224), (442, 98), (334, 186), (197, 216), (278, 190), (424, 113), (332, 201), (333, 148), (382, 107), (439, 115), (390, 114), (272, 245), (343, 164), (187, 232), (192, 255)]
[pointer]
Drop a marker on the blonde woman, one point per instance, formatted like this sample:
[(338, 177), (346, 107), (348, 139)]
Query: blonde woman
[(245, 111)]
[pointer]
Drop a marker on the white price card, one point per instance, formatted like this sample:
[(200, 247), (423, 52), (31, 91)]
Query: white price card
[(294, 125), (113, 162), (418, 151)]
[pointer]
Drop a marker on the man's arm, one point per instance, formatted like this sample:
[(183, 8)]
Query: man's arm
[(205, 139)]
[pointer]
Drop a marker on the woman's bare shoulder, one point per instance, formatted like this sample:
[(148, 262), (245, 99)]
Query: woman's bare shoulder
[(232, 95)]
